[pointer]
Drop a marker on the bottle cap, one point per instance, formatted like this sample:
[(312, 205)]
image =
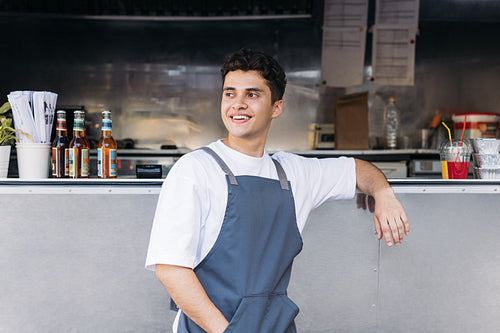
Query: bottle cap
[(79, 114), (61, 114), (106, 114)]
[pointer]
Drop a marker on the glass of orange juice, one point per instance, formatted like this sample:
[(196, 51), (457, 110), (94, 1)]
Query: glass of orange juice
[(455, 158)]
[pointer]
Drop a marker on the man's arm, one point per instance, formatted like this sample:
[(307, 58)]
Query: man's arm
[(389, 216), (188, 293)]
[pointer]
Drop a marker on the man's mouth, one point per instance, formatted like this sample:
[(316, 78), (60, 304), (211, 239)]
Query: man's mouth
[(240, 117)]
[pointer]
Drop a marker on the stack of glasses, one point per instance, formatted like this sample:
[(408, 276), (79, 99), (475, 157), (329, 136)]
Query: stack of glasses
[(486, 158)]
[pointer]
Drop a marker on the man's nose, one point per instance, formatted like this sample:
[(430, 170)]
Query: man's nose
[(239, 103)]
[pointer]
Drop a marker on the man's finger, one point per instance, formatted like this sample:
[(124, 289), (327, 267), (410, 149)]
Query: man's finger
[(406, 223), (401, 229), (393, 225), (386, 231), (378, 229)]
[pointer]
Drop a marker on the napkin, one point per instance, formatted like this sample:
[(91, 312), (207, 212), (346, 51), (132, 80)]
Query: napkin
[(33, 113)]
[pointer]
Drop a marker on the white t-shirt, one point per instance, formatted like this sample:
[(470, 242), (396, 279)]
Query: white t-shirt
[(193, 198)]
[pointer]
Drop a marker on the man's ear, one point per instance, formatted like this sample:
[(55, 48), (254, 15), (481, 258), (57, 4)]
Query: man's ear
[(277, 108)]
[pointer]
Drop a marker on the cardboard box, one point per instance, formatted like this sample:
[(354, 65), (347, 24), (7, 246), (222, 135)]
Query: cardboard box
[(351, 122)]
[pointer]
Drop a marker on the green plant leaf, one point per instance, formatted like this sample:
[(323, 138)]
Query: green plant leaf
[(7, 133), (5, 107)]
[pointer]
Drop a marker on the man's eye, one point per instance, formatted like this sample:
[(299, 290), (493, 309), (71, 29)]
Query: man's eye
[(252, 95), (229, 94)]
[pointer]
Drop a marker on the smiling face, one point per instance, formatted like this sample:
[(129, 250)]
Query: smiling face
[(247, 111)]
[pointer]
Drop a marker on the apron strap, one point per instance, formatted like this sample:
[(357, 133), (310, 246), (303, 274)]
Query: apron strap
[(232, 179), (222, 164), (281, 175)]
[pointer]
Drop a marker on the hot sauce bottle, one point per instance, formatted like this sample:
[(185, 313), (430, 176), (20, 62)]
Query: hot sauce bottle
[(60, 148), (79, 149), (106, 149)]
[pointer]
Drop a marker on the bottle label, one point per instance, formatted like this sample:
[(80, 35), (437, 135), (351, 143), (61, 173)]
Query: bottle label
[(61, 125), (60, 162), (99, 162), (85, 162), (110, 160), (71, 162), (55, 165), (78, 125), (106, 124), (66, 162), (83, 170), (112, 163)]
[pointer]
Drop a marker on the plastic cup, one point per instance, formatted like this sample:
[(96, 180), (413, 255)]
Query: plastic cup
[(455, 159), (33, 160), (4, 160)]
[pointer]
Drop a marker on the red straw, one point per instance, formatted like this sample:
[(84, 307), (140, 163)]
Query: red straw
[(463, 130)]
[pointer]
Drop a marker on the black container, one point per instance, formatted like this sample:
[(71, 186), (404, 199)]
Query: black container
[(148, 171)]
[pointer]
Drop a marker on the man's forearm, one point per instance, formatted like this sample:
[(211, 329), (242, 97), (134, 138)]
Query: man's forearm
[(189, 295), (389, 216), (369, 179)]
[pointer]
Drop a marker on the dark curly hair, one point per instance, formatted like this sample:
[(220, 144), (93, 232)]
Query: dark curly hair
[(247, 60)]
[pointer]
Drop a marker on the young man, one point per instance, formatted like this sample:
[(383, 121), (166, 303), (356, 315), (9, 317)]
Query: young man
[(228, 221)]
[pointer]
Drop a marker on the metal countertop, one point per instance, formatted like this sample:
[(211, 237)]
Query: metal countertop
[(152, 186)]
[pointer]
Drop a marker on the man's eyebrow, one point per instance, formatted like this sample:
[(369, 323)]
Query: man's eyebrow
[(247, 89), (254, 89)]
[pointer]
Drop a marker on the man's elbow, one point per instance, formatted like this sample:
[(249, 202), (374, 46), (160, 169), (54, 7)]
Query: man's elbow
[(165, 272)]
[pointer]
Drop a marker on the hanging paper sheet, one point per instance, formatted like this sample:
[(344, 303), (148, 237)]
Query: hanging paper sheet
[(393, 56), (394, 37), (401, 12), (344, 40)]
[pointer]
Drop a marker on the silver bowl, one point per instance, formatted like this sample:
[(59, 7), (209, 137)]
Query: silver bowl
[(487, 160), (486, 173), (485, 145)]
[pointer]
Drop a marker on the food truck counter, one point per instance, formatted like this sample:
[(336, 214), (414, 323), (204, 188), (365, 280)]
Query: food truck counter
[(72, 258)]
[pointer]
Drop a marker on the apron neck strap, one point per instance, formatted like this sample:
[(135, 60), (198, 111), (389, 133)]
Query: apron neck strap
[(222, 164), (281, 175), (232, 179)]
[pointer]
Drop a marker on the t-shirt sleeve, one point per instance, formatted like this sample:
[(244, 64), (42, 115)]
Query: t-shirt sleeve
[(176, 226), (333, 179), (315, 181)]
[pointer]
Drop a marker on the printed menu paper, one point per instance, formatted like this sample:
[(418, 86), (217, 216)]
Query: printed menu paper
[(393, 56), (394, 37), (400, 13), (343, 57), (344, 40)]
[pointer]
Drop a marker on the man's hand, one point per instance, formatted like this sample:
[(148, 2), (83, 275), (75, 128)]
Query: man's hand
[(389, 216), (189, 295)]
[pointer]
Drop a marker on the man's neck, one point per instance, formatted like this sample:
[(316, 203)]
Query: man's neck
[(254, 149)]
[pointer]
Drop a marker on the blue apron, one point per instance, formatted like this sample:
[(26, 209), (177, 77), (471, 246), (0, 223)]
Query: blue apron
[(247, 271)]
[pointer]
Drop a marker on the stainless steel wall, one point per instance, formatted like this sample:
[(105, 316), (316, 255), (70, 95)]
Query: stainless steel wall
[(74, 262), (161, 78), (443, 278)]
